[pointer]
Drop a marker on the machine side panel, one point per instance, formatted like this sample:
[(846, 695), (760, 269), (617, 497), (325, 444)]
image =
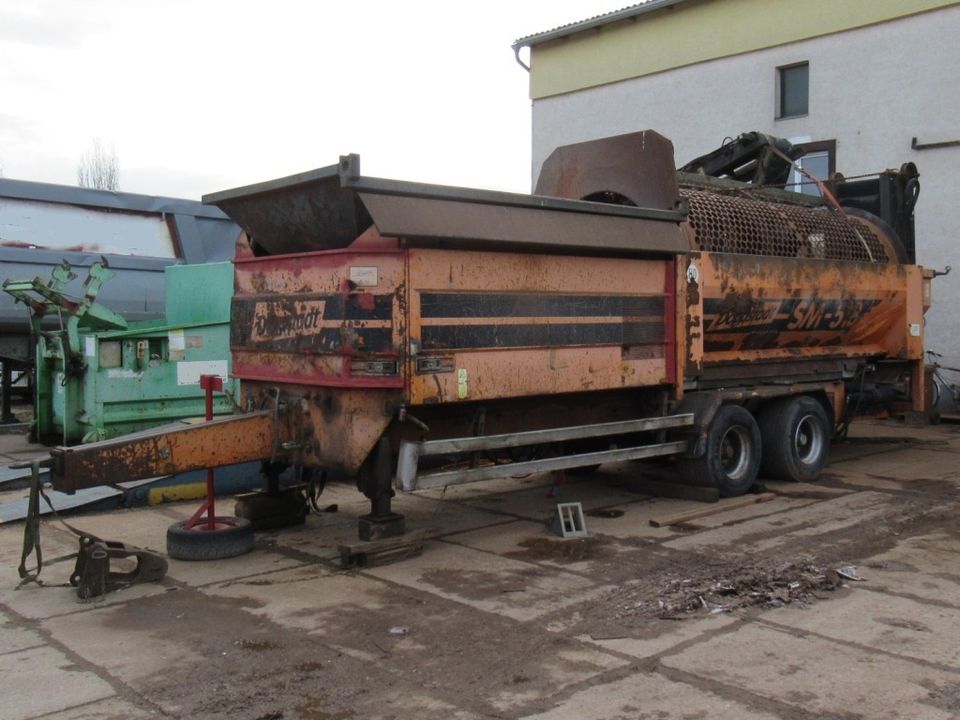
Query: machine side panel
[(499, 325), (320, 336), (332, 318), (758, 308)]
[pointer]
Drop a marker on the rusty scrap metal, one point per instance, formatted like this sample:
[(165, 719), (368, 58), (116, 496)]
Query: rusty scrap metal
[(92, 576)]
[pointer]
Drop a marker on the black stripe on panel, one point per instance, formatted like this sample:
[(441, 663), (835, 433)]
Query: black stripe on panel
[(784, 314), (494, 305), (450, 337), (327, 340), (361, 306)]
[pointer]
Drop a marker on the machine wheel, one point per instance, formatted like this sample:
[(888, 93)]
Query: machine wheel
[(732, 457), (796, 439), (231, 537)]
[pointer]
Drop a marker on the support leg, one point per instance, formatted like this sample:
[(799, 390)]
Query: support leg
[(274, 507), (376, 477)]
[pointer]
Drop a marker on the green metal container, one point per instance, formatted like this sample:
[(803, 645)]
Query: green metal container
[(145, 375)]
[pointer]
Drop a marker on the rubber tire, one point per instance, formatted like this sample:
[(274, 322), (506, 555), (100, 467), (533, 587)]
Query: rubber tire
[(779, 424), (708, 470), (184, 544)]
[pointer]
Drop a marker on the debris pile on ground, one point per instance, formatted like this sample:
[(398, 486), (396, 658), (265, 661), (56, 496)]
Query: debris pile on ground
[(790, 583), (770, 587)]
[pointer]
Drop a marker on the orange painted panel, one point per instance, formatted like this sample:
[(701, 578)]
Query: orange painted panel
[(765, 308), (497, 325)]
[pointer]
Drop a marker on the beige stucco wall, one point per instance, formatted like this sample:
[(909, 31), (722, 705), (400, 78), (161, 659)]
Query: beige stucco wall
[(698, 31)]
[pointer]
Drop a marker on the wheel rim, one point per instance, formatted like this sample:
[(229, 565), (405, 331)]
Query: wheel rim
[(808, 439), (735, 452), (220, 522)]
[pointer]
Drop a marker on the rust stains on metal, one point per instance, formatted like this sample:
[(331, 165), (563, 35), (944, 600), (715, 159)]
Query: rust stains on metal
[(763, 307), (506, 325), (631, 169), (164, 450)]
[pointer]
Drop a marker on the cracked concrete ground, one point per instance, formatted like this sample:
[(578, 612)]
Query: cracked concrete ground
[(733, 615)]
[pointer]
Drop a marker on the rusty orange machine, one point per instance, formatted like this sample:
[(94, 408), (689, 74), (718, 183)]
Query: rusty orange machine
[(417, 336)]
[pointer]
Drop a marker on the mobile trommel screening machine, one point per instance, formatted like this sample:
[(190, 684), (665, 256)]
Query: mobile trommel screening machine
[(416, 336)]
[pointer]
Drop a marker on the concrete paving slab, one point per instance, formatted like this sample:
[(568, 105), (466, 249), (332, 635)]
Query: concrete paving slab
[(559, 670), (660, 636), (539, 503), (322, 534), (59, 548), (305, 598), (445, 517), (933, 552), (937, 587), (109, 709), (495, 620), (27, 676), (634, 522), (874, 430), (763, 509), (905, 465), (647, 695), (532, 542), (37, 602), (55, 542), (422, 707), (488, 582), (817, 490), (926, 567), (378, 623), (868, 482), (255, 563), (143, 527), (766, 533), (319, 537), (886, 622), (817, 675), (130, 641), (14, 638)]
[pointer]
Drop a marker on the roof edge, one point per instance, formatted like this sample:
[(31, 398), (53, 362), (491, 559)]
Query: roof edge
[(34, 191), (597, 21)]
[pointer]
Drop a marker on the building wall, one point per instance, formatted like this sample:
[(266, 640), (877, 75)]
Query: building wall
[(696, 31), (872, 89)]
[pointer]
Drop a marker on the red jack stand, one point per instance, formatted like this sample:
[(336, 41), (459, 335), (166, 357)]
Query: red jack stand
[(212, 537)]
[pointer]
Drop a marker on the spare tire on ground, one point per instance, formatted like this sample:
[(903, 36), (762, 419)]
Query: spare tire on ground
[(231, 536)]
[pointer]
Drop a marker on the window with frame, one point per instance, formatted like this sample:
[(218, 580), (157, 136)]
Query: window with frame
[(793, 90), (820, 160)]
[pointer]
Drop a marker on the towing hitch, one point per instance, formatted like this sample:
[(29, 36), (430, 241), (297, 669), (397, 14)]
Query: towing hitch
[(92, 576)]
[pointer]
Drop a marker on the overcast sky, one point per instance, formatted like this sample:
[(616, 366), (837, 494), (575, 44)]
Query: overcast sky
[(202, 95)]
